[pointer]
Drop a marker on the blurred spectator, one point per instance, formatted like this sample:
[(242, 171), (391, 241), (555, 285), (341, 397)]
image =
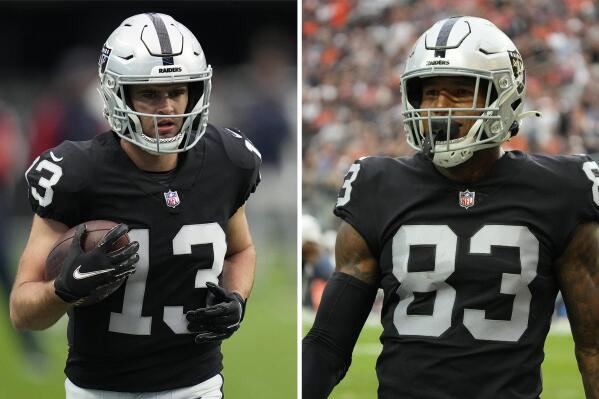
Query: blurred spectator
[(265, 114), (10, 161), (317, 265), (70, 107), (260, 95)]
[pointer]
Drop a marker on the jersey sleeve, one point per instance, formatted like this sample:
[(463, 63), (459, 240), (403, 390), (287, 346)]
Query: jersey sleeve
[(55, 181), (242, 153), (589, 211), (357, 201), (573, 196)]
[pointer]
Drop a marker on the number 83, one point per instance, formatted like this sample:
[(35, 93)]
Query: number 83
[(445, 242)]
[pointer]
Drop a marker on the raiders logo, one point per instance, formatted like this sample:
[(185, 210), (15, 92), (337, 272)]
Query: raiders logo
[(518, 69), (170, 70), (104, 58)]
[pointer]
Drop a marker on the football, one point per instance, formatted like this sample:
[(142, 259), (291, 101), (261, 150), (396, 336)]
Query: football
[(95, 231)]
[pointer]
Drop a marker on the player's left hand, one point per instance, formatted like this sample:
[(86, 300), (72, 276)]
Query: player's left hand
[(220, 318)]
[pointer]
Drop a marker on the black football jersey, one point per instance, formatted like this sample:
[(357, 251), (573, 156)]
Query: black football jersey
[(467, 269), (137, 340)]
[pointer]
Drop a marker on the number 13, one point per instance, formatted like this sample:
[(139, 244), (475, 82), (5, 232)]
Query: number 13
[(130, 320)]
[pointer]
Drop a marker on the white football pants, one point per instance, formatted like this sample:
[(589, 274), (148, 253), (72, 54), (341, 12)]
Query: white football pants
[(209, 389)]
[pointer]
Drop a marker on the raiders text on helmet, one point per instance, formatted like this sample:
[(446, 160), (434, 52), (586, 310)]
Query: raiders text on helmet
[(154, 49), (470, 47)]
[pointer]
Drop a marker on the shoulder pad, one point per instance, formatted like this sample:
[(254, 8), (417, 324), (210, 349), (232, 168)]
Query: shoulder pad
[(358, 202), (71, 160), (65, 168), (573, 178), (594, 156), (372, 169), (56, 180), (239, 148), (568, 170), (356, 177)]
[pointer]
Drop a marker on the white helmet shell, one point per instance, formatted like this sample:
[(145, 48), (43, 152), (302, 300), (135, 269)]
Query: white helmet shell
[(470, 47), (154, 49)]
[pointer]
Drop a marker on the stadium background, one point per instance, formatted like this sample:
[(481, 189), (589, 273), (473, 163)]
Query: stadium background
[(47, 93), (353, 54)]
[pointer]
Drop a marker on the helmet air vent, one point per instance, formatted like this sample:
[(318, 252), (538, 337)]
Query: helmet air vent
[(516, 104)]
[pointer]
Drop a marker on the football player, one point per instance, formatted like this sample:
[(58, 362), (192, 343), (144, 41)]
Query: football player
[(469, 243), (178, 185)]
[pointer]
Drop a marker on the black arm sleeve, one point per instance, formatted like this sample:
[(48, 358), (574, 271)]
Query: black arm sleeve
[(327, 348)]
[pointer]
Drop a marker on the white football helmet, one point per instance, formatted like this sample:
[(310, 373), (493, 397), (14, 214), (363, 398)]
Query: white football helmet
[(153, 49), (470, 47)]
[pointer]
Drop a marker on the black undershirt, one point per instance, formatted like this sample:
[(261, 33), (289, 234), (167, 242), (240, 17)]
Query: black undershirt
[(163, 178)]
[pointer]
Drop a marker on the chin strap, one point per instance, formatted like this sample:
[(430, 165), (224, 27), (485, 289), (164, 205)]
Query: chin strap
[(427, 145), (439, 129)]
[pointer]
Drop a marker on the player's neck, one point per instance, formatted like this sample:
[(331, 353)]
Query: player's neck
[(475, 168), (149, 162)]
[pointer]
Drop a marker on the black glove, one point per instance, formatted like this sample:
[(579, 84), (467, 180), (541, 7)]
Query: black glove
[(97, 273), (220, 318)]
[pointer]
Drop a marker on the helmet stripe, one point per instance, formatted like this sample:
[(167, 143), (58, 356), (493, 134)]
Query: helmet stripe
[(444, 36), (163, 38)]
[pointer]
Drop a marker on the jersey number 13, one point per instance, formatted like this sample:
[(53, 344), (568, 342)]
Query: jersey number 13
[(130, 320)]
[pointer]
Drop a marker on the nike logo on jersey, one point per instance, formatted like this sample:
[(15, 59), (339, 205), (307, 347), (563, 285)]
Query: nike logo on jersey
[(54, 157), (80, 276)]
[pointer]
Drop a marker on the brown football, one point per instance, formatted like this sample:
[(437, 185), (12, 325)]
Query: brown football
[(95, 231)]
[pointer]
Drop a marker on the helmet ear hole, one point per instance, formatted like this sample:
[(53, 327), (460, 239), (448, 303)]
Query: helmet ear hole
[(514, 129), (516, 103)]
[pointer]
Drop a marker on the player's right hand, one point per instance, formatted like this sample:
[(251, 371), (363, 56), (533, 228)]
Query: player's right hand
[(85, 273)]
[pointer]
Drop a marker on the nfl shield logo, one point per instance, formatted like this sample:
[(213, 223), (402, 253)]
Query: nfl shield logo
[(171, 198), (467, 199)]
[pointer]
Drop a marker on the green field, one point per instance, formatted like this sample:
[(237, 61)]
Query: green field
[(260, 360), (561, 379)]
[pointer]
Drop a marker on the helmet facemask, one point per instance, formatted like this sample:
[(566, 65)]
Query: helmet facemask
[(435, 131), (471, 48), (125, 121)]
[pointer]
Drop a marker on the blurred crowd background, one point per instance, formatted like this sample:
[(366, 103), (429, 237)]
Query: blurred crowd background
[(48, 93), (354, 53)]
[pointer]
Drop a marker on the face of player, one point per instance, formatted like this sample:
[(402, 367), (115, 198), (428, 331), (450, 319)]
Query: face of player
[(161, 99), (452, 92)]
